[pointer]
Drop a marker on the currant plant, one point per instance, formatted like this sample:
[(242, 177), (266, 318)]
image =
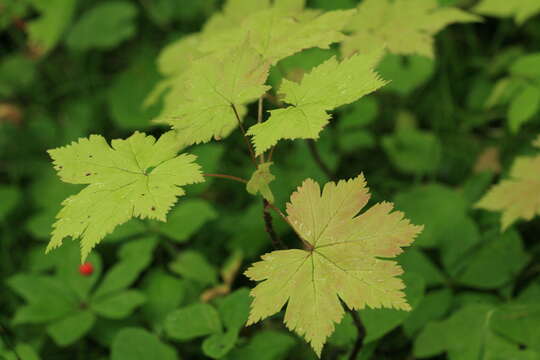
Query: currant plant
[(209, 79)]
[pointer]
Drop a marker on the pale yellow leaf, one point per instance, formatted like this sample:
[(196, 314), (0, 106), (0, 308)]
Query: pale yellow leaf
[(406, 27), (517, 197), (346, 257)]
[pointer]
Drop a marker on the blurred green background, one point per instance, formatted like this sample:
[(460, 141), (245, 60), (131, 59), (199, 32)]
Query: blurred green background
[(432, 141)]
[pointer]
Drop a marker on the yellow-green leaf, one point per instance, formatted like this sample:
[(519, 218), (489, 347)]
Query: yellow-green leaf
[(214, 85), (342, 260), (279, 32), (260, 180), (176, 57), (405, 26), (518, 197), (521, 10), (137, 177), (326, 87)]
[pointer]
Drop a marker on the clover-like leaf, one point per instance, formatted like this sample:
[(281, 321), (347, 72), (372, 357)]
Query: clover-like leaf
[(521, 10), (519, 196), (406, 26), (137, 177), (342, 260), (326, 87)]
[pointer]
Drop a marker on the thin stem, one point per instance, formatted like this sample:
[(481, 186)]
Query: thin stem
[(317, 157), (271, 153), (269, 227), (230, 177), (361, 334), (246, 140), (259, 120), (307, 245)]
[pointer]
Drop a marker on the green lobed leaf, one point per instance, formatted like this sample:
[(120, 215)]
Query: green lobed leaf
[(213, 89), (340, 260), (326, 87), (278, 32), (137, 177)]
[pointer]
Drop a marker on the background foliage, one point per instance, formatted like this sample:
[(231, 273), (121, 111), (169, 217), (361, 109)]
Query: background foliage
[(433, 141)]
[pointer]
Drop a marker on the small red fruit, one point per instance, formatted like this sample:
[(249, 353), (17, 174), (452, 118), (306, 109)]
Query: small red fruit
[(86, 269)]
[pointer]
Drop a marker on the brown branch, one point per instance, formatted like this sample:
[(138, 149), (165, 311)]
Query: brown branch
[(269, 227), (361, 334), (246, 140), (318, 160), (224, 176)]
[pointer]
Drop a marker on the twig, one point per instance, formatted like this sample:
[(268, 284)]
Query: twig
[(361, 334), (259, 120), (230, 177), (317, 157), (307, 245), (269, 227), (271, 153), (246, 140)]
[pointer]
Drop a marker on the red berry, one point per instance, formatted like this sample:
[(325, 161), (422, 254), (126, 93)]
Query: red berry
[(86, 269)]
